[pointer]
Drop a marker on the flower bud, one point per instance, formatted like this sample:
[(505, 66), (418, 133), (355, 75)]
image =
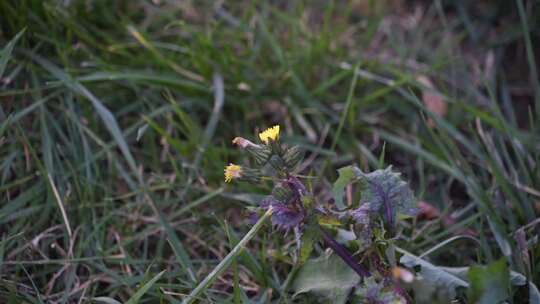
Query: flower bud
[(251, 175), (292, 157), (242, 142), (260, 153), (237, 172), (276, 148), (277, 162)]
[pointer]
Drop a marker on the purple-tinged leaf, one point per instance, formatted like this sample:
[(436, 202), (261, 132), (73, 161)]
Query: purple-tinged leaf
[(384, 193), (296, 186), (286, 217), (268, 201), (361, 215)]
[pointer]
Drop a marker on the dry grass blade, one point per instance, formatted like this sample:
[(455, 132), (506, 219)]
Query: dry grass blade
[(60, 206)]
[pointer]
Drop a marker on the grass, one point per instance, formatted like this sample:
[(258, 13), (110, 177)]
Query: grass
[(116, 121)]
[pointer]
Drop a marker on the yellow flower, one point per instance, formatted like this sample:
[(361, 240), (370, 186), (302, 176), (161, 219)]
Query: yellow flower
[(270, 133), (232, 171)]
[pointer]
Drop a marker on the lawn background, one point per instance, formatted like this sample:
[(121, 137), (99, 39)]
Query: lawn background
[(116, 120)]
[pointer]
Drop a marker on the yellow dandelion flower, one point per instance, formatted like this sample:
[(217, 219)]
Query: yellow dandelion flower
[(232, 171), (270, 133)]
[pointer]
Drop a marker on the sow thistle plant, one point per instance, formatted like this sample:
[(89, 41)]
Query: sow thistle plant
[(357, 259)]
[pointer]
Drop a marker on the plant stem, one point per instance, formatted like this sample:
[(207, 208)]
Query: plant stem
[(222, 266), (344, 254), (288, 281)]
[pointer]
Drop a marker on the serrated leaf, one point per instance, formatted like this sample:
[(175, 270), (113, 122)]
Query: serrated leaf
[(433, 275), (384, 192), (346, 175), (286, 217), (396, 190), (489, 284), (328, 276)]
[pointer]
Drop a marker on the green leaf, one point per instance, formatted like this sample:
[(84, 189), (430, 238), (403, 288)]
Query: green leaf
[(309, 237), (137, 295), (346, 175), (516, 279), (432, 275), (381, 185), (489, 284), (328, 276)]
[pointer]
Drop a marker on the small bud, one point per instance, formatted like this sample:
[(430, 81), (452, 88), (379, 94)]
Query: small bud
[(293, 156), (277, 162), (251, 175), (261, 154)]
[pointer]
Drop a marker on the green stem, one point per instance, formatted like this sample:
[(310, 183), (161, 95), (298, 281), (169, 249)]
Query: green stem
[(287, 283), (222, 266)]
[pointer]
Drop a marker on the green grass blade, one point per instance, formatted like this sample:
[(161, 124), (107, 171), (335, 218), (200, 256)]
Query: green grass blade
[(177, 246), (222, 266), (5, 54), (137, 296), (104, 113), (530, 55)]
